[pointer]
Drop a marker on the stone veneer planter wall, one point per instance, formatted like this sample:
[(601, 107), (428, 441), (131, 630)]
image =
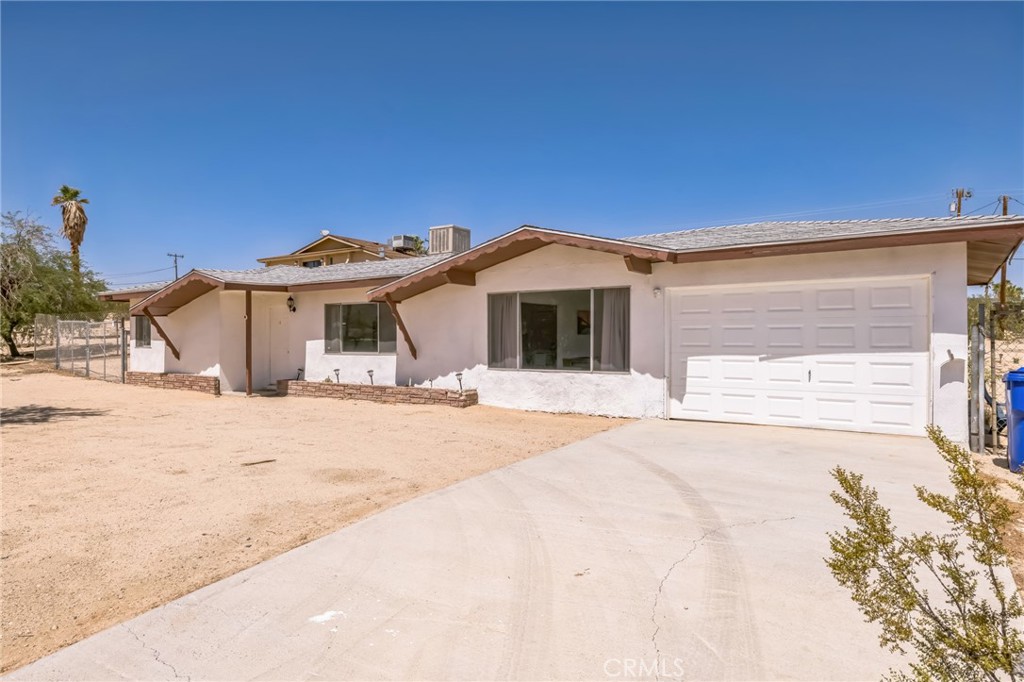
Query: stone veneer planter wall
[(182, 382), (410, 395)]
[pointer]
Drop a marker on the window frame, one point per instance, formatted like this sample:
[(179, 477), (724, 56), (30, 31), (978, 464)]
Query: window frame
[(137, 335), (519, 332), (341, 343)]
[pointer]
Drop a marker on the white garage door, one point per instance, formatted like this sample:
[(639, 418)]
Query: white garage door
[(837, 355)]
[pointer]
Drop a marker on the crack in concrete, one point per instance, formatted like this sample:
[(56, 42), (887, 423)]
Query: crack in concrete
[(156, 654), (668, 573)]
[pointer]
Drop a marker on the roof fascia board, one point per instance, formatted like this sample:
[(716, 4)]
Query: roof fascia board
[(190, 276)]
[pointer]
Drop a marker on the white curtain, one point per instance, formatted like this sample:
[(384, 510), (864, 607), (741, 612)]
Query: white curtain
[(502, 348), (612, 352)]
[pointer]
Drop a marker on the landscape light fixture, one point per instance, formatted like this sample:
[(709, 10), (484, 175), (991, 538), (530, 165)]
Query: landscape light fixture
[(337, 376), (291, 303), (458, 376), (370, 372)]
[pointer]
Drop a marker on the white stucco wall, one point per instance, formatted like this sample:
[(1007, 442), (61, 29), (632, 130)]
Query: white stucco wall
[(449, 325), (195, 331), (147, 359)]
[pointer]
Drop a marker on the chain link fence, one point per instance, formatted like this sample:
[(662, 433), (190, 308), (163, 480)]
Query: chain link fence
[(97, 349), (998, 347)]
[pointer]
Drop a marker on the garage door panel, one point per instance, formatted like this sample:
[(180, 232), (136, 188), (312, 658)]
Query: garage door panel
[(850, 356)]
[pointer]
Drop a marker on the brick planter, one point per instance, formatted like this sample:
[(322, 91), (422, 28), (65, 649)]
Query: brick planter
[(379, 394), (181, 382)]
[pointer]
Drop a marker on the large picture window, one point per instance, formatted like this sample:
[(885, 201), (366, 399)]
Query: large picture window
[(578, 330), (359, 328), (143, 332)]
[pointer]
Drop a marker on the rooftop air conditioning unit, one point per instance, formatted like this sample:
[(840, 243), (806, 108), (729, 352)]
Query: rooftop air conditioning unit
[(403, 242)]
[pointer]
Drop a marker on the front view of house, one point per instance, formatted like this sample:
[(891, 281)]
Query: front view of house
[(851, 325)]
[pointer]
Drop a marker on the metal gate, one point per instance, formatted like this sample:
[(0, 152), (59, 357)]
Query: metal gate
[(97, 350)]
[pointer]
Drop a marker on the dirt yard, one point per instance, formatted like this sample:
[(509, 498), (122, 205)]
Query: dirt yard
[(116, 499)]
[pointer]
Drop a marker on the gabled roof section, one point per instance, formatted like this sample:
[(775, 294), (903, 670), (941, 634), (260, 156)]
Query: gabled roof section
[(343, 243), (462, 267), (279, 278)]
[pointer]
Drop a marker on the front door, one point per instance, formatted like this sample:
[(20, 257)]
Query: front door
[(282, 365)]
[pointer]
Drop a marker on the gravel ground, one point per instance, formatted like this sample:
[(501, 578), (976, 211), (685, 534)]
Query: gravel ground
[(116, 499)]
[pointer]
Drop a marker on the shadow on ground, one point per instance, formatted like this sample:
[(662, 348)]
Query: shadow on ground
[(42, 414)]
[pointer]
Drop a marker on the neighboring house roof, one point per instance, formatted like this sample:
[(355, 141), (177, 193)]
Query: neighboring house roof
[(349, 242), (281, 278), (125, 294), (990, 240)]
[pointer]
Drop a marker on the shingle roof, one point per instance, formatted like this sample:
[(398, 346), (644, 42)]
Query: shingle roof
[(136, 288), (804, 231), (340, 272)]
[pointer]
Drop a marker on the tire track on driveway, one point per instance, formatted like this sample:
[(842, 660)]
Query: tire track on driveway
[(724, 640)]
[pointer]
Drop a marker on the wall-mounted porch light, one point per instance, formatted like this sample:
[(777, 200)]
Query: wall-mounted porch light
[(291, 304)]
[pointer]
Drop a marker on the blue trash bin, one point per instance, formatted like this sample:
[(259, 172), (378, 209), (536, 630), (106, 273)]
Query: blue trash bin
[(1015, 413)]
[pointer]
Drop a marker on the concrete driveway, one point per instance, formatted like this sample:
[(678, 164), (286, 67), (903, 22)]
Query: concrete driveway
[(661, 549)]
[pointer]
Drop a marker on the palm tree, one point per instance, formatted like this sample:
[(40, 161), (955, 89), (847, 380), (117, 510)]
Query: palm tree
[(70, 201)]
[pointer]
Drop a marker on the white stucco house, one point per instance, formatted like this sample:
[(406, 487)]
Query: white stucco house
[(854, 325)]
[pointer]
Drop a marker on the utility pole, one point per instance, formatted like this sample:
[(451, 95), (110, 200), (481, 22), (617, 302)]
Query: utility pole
[(176, 256), (1002, 282), (959, 194)]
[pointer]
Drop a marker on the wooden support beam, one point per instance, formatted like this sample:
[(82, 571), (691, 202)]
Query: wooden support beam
[(456, 276), (401, 324), (638, 265), (162, 333), (248, 342)]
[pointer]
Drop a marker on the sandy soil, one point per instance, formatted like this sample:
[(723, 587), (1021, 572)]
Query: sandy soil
[(116, 499), (993, 465)]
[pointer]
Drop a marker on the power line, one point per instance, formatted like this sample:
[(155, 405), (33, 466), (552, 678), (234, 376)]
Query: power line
[(132, 284), (143, 272), (996, 203)]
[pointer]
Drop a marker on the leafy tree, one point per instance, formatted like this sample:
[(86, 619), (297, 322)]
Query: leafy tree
[(36, 277), (1012, 321), (966, 629), (419, 246), (70, 201)]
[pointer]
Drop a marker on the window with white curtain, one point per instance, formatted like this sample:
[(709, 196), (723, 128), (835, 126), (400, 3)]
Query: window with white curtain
[(574, 330)]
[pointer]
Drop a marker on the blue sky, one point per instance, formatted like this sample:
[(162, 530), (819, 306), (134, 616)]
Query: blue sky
[(232, 131)]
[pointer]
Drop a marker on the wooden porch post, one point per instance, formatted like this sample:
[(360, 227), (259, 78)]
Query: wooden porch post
[(248, 341)]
